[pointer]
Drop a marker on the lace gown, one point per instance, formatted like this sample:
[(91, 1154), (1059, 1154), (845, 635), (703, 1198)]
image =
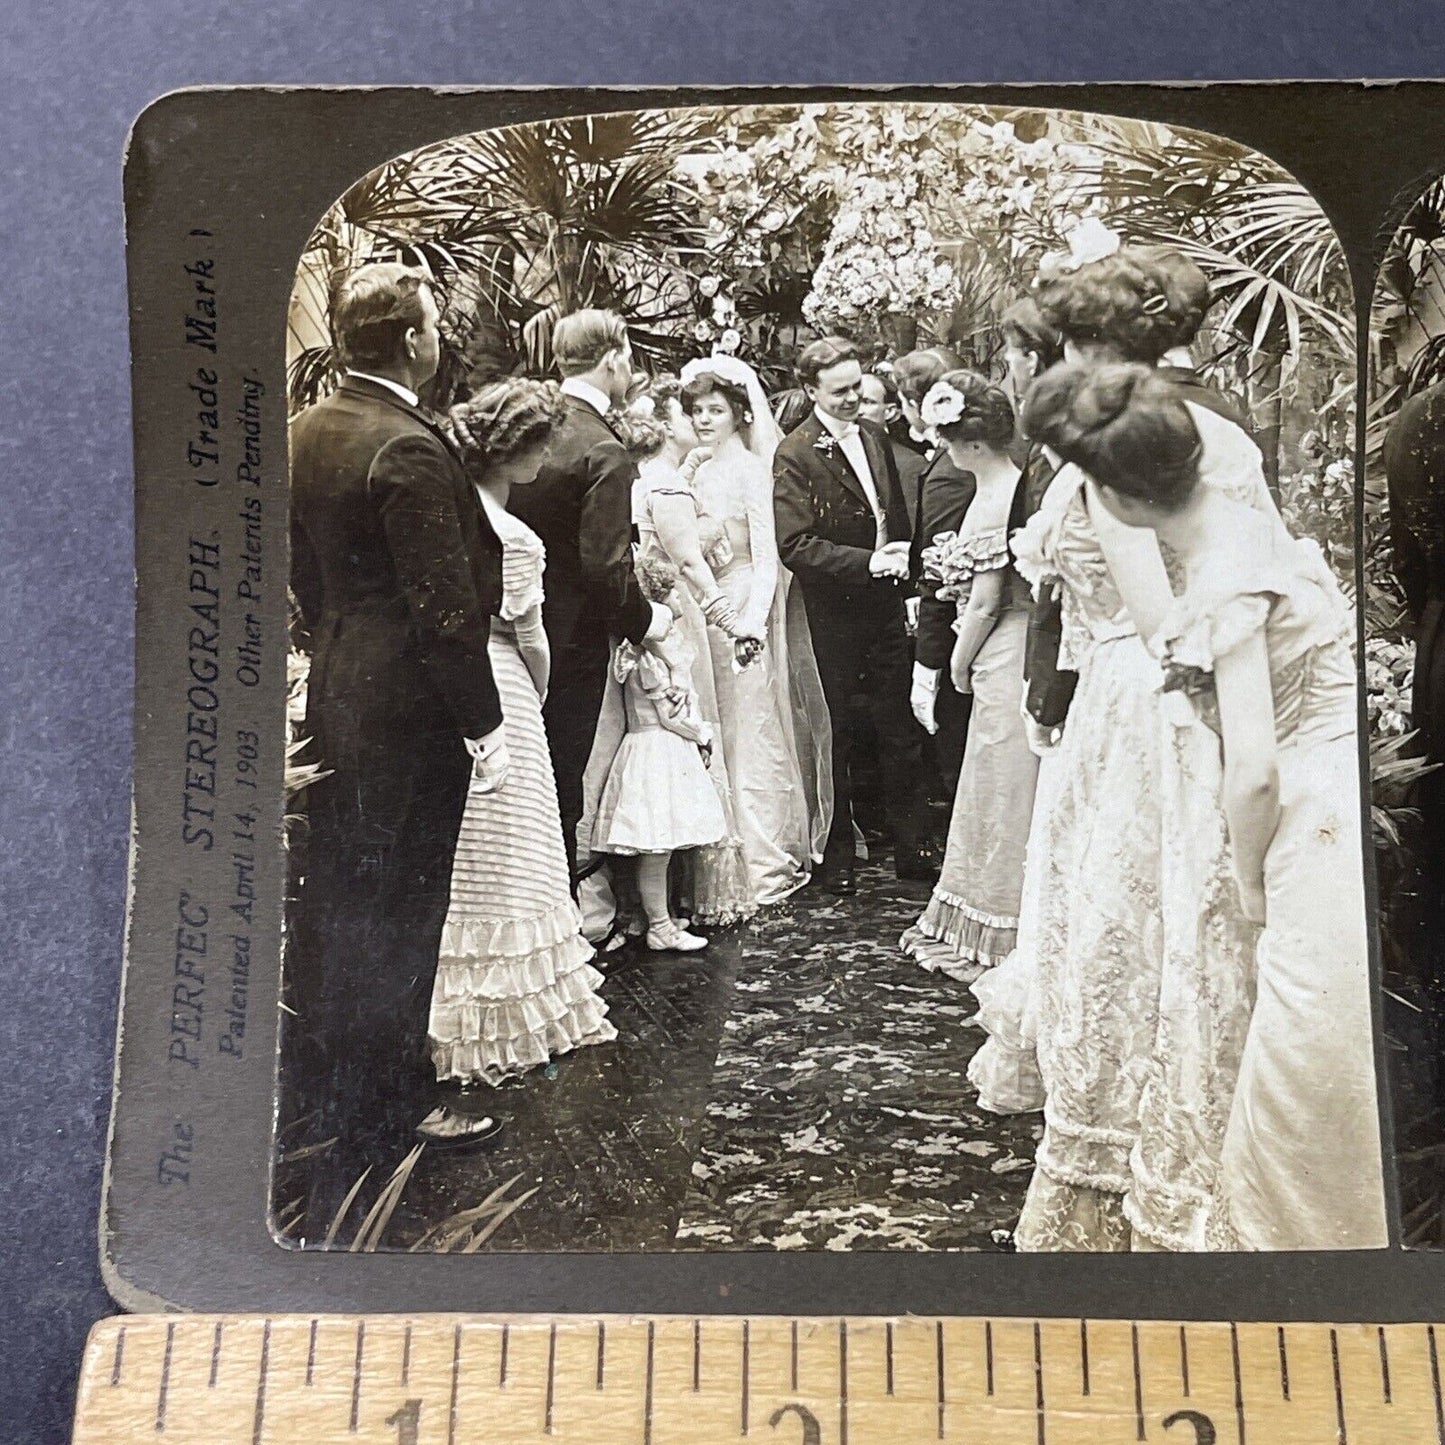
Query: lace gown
[(772, 803), (514, 985), (1299, 1166), (1126, 830), (972, 918)]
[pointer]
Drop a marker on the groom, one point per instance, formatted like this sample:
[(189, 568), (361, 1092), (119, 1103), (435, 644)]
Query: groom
[(396, 573), (581, 507), (843, 531)]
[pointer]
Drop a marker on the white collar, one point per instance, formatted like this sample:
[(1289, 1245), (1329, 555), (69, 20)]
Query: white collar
[(410, 397), (594, 396), (839, 429)]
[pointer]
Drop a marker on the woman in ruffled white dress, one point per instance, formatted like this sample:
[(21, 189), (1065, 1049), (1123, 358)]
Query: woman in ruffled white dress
[(773, 727), (514, 984), (1122, 1012), (971, 920), (1258, 664)]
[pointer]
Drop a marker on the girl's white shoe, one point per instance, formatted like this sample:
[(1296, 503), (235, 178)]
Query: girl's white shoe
[(667, 937)]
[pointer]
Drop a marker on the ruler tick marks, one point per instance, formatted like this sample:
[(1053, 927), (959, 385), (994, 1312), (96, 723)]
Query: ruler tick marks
[(1385, 1368), (1084, 1354), (119, 1356), (1435, 1384), (1340, 1433), (942, 1391), (356, 1377), (888, 1355), (1184, 1360), (647, 1387), (987, 1351), (1138, 1383), (311, 1354), (1039, 1379), (165, 1378), (406, 1356), (843, 1382), (1239, 1379), (793, 1366), (747, 1369), (601, 1352), (215, 1356), (258, 1419), (457, 1379), (551, 1377), (1283, 1365), (502, 1364), (696, 1356)]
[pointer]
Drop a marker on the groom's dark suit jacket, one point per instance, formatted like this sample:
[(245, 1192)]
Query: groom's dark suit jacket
[(944, 499), (826, 529), (581, 507), (394, 567)]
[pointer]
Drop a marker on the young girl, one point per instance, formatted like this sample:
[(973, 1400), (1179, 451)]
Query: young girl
[(658, 797), (1258, 641)]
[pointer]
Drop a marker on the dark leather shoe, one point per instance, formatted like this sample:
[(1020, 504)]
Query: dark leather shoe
[(917, 865), (839, 881), (446, 1128)]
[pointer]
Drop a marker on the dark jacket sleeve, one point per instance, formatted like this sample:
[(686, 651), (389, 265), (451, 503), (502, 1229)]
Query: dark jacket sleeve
[(803, 551), (945, 500), (604, 540), (413, 481), (306, 587), (1412, 454)]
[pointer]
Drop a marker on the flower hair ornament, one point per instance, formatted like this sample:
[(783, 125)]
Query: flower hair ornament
[(722, 365), (943, 406), (1090, 240)]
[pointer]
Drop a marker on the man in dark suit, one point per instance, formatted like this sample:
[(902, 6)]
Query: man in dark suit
[(843, 532), (581, 507), (396, 574)]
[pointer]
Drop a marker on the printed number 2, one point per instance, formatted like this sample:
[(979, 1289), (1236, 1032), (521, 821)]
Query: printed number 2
[(1204, 1431), (812, 1431), (408, 1422)]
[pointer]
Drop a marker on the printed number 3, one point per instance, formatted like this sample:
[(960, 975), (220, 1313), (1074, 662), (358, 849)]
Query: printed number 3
[(1204, 1431), (408, 1422)]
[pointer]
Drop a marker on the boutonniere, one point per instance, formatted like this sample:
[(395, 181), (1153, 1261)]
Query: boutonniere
[(827, 444)]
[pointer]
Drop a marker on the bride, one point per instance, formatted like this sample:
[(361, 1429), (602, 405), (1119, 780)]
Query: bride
[(774, 727)]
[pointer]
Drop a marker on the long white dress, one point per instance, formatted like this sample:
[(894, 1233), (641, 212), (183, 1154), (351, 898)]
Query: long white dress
[(514, 984), (1299, 1166), (773, 764), (1127, 998)]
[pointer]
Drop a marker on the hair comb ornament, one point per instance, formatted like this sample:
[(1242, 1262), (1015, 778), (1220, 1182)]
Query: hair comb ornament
[(1155, 305)]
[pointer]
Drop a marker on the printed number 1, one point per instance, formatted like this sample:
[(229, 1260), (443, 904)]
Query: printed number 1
[(408, 1422)]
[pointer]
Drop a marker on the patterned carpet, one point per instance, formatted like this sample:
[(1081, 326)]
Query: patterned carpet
[(840, 1116)]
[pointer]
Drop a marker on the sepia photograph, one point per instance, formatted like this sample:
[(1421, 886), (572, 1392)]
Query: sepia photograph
[(824, 704)]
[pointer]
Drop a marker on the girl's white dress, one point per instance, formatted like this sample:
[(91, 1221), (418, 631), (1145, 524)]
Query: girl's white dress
[(1299, 1167), (514, 984), (658, 796)]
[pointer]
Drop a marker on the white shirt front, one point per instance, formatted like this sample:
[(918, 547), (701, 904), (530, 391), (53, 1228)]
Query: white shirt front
[(850, 438), (410, 397)]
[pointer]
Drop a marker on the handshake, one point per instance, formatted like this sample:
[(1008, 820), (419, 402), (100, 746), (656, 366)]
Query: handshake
[(890, 561)]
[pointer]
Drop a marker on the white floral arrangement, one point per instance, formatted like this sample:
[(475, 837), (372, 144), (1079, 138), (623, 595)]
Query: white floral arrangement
[(944, 405), (1088, 241)]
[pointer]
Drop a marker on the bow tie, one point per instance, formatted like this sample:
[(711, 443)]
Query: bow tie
[(848, 433)]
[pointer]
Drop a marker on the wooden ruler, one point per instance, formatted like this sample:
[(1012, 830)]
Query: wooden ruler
[(496, 1380)]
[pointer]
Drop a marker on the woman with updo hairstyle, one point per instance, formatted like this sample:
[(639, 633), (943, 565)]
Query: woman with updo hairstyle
[(1256, 646), (774, 732), (514, 985), (944, 493), (1129, 834), (971, 920)]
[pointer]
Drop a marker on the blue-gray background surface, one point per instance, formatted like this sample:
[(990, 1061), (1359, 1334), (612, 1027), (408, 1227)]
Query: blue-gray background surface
[(72, 78)]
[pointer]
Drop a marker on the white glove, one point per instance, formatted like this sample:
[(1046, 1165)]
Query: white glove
[(911, 607), (923, 698), (490, 761), (890, 561), (1041, 740)]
